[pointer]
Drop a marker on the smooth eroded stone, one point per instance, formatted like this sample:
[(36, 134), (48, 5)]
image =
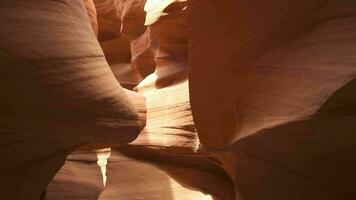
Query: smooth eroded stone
[(169, 126), (116, 50), (58, 93), (79, 178), (142, 55), (272, 93), (109, 18), (131, 177), (90, 6), (121, 23)]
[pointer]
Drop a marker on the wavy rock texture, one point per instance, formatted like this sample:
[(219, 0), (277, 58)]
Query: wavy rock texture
[(170, 125), (143, 168), (162, 157), (268, 101), (91, 10), (83, 175), (79, 178), (120, 25), (274, 90), (58, 93), (115, 47), (136, 175), (140, 170)]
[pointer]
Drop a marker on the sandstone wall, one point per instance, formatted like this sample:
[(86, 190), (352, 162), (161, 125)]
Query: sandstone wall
[(58, 93), (259, 92), (271, 85)]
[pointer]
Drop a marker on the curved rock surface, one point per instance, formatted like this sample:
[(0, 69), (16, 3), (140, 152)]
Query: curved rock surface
[(163, 177), (169, 126), (121, 24), (276, 101), (91, 10), (79, 178), (262, 93), (58, 93)]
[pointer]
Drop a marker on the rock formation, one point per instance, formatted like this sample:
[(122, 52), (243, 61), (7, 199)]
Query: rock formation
[(79, 178), (58, 93), (236, 99), (272, 91), (92, 14)]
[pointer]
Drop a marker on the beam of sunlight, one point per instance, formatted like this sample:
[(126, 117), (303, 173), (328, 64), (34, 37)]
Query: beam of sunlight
[(103, 156)]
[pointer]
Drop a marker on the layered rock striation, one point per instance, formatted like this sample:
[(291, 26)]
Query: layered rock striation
[(235, 99), (271, 87), (58, 93)]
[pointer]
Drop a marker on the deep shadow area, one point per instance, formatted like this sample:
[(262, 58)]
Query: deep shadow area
[(308, 159)]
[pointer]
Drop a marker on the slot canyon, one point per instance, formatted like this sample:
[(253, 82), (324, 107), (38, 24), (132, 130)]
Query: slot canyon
[(178, 99)]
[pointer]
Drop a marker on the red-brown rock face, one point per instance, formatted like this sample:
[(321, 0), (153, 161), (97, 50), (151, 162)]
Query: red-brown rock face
[(91, 10), (121, 25), (236, 99), (169, 127), (58, 92), (271, 85)]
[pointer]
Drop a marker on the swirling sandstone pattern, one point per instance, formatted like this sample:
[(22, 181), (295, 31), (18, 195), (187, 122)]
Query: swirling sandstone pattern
[(169, 128), (58, 93), (246, 100), (273, 92)]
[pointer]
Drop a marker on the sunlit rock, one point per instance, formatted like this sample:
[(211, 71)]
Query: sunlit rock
[(120, 24), (141, 176), (169, 124)]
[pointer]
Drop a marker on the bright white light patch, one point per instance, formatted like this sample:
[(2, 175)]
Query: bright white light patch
[(103, 156), (155, 8)]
